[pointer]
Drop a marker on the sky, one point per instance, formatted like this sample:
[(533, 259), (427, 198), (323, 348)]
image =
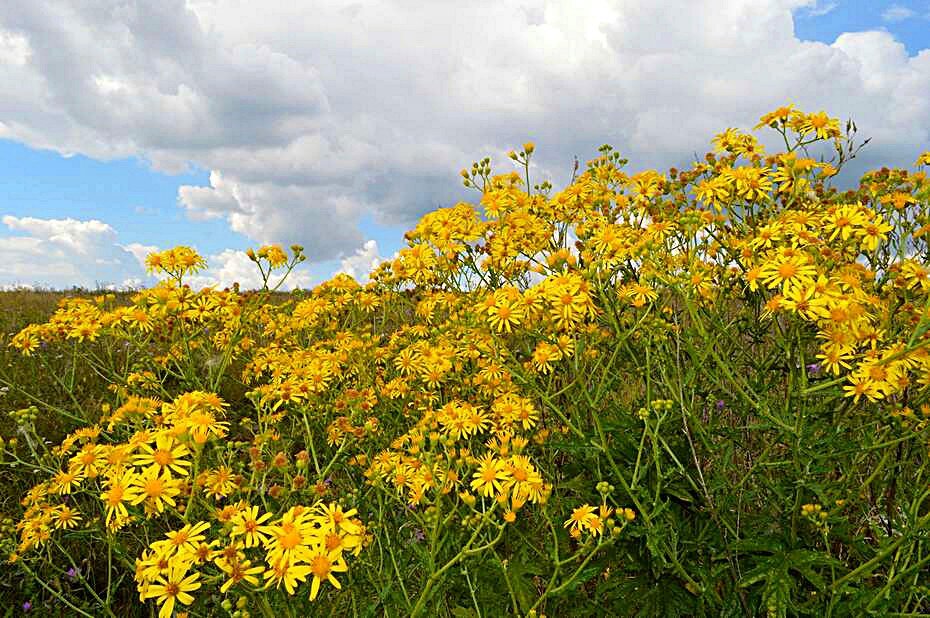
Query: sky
[(129, 126)]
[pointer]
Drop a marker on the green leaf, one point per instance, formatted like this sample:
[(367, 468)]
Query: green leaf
[(520, 573), (678, 491), (777, 594), (812, 576), (765, 570)]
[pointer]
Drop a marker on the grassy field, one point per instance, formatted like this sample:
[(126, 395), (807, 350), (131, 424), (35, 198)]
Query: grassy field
[(700, 393), (26, 379), (44, 380)]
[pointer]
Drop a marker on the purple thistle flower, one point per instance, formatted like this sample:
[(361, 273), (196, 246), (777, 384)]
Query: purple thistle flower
[(27, 606)]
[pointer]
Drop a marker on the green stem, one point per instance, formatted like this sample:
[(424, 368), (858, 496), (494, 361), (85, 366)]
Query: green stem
[(54, 592)]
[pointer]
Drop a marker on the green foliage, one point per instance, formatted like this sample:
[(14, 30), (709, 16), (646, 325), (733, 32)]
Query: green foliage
[(695, 458)]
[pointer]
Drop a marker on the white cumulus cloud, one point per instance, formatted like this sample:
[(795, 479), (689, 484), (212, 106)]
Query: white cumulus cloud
[(78, 236), (62, 253), (316, 116), (140, 251), (896, 13), (360, 264), (231, 266), (818, 8)]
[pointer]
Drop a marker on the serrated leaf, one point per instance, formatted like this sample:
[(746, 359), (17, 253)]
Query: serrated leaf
[(811, 575), (520, 572), (765, 570), (777, 593)]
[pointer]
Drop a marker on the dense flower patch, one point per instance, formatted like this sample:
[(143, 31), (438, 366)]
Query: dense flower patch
[(702, 392)]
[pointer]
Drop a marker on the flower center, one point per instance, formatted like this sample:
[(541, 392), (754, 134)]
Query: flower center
[(162, 457), (290, 539), (333, 541), (179, 539), (115, 496), (321, 566), (787, 270), (154, 487)]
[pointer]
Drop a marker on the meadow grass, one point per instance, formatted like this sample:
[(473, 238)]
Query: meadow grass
[(700, 393)]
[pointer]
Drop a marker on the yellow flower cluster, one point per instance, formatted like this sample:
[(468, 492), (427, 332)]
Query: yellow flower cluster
[(431, 385), (175, 262), (591, 520), (153, 470), (304, 542)]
